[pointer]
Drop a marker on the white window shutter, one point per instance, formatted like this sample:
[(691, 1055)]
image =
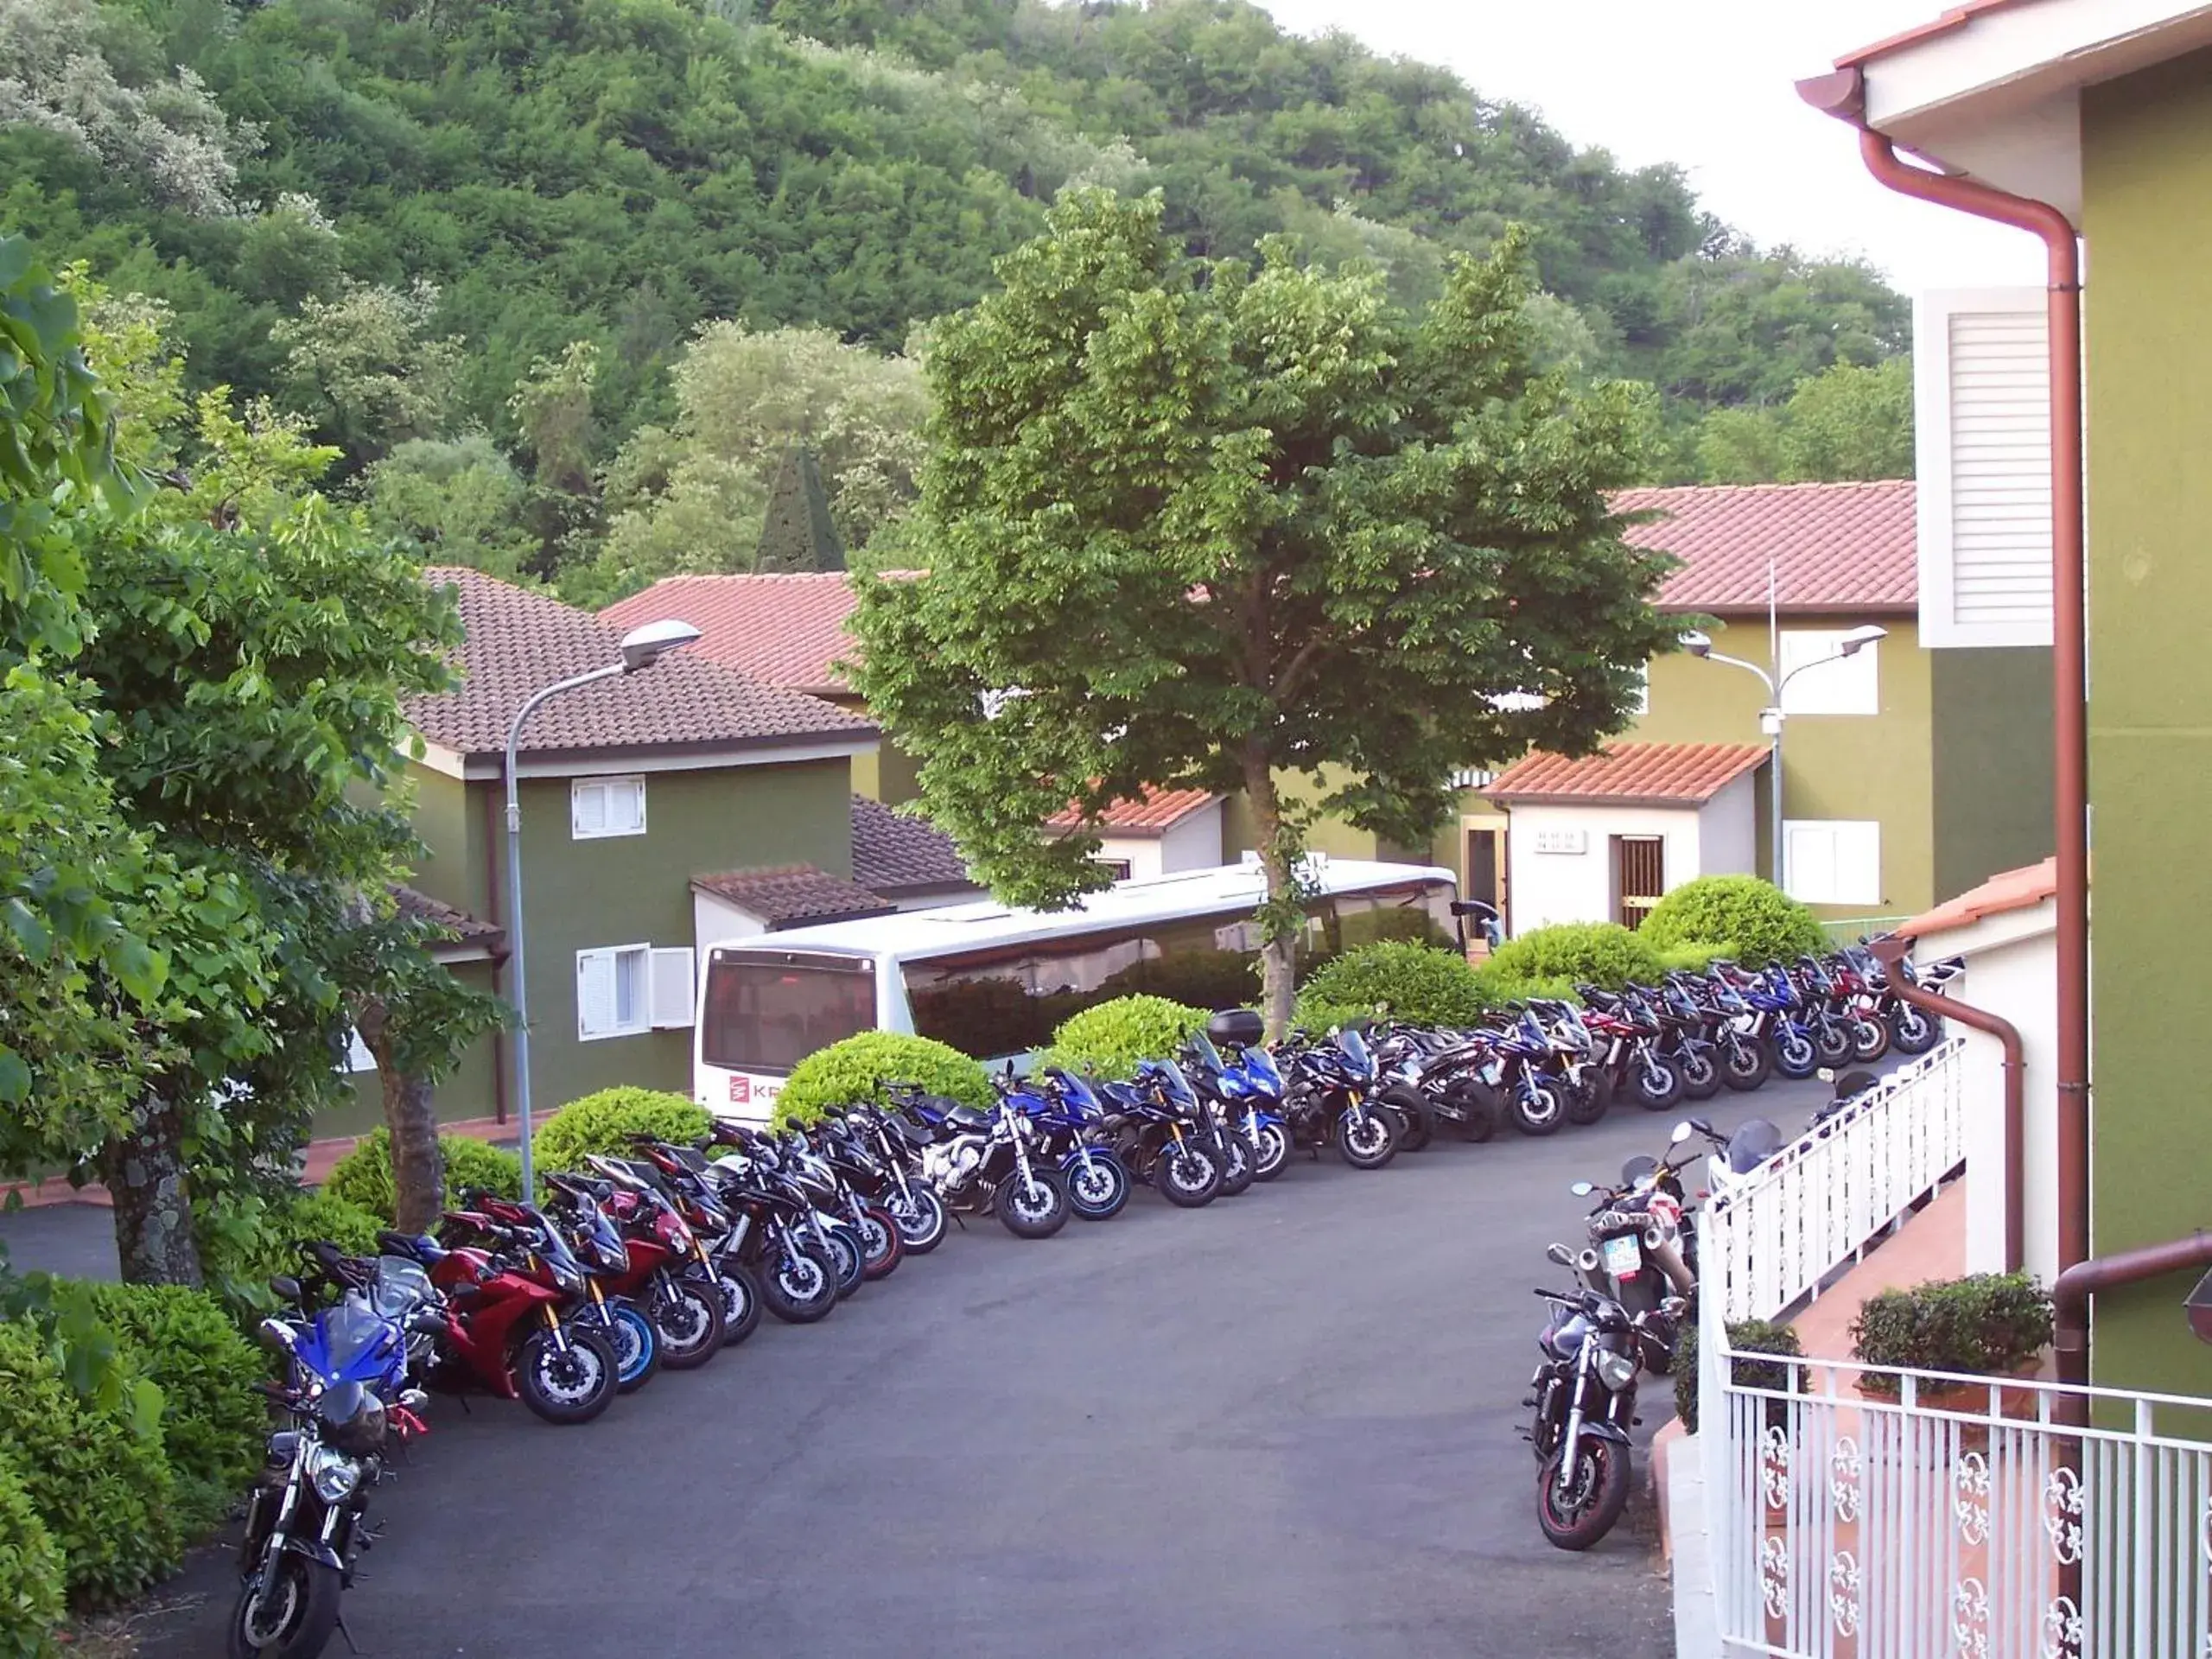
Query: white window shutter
[(596, 1001), (587, 808), (1858, 863), (625, 806), (673, 988), (1982, 417), (358, 1058), (1811, 862), (1835, 861), (1848, 685)]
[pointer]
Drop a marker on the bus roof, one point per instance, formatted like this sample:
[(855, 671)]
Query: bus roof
[(1153, 899)]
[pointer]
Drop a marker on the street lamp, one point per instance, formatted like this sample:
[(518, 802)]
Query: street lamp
[(641, 648), (1771, 717)]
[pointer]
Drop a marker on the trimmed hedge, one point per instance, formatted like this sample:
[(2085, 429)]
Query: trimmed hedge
[(97, 1478), (363, 1176), (1419, 983), (858, 1068), (1745, 1337), (1984, 1324), (31, 1584), (604, 1122), (1109, 1040), (1499, 987), (212, 1422), (1601, 953), (1761, 923), (242, 1254)]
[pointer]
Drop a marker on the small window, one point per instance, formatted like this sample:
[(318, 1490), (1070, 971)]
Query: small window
[(614, 992), (1846, 685), (1835, 861), (607, 806), (1119, 868)]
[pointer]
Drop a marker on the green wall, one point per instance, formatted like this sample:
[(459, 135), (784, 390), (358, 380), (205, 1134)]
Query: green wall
[(2146, 166), (449, 817), (1993, 809)]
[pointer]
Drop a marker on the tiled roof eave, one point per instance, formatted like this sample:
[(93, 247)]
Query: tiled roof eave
[(1679, 803), (855, 739)]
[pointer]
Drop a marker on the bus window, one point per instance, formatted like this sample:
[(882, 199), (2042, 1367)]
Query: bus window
[(767, 1011)]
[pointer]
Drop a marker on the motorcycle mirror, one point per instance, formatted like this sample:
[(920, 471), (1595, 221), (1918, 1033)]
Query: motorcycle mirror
[(1704, 1126), (1559, 1253), (1682, 1131), (287, 1289), (1582, 1189)]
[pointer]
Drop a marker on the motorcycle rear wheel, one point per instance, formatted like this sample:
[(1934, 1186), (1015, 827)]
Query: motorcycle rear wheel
[(1413, 1110), (1035, 1210), (291, 1617), (567, 1388), (1593, 1503), (879, 1231)]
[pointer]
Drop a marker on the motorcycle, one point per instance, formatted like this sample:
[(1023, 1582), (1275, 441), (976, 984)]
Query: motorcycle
[(1584, 1396), (995, 1162), (1628, 1030), (1331, 1087), (770, 1237), (1642, 1234), (1073, 1119), (596, 1242)]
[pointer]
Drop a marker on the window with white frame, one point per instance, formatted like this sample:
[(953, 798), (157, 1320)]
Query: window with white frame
[(1835, 861), (605, 806), (1848, 685), (626, 990)]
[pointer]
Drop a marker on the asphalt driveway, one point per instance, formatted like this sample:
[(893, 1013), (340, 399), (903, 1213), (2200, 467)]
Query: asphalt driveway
[(1285, 1425)]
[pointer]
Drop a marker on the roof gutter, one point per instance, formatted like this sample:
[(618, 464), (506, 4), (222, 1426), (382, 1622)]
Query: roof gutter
[(1843, 94)]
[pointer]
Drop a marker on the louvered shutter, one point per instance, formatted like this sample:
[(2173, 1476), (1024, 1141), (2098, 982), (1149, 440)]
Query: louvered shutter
[(672, 991), (1982, 410), (587, 808), (596, 1010)]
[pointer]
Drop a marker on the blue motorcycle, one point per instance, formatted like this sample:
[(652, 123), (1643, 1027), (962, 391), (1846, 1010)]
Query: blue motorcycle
[(1073, 1119), (1249, 1089)]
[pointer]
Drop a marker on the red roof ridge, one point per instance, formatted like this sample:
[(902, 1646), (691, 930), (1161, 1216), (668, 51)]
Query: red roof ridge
[(2008, 890), (1625, 774)]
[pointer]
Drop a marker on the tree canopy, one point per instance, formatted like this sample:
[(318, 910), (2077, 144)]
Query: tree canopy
[(1212, 523)]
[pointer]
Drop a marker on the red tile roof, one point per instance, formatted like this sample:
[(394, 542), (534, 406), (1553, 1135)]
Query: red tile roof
[(464, 929), (1836, 547), (518, 641), (894, 853), (2020, 889), (783, 895), (1627, 774), (1157, 812), (785, 628)]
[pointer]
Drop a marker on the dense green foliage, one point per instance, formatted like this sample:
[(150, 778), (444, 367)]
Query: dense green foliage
[(363, 1176), (1745, 1337), (401, 219), (1754, 921), (605, 1122), (31, 1567), (243, 1245), (95, 1473), (1107, 1041), (1600, 953), (1418, 983), (865, 1066), (1851, 420), (1500, 988), (1984, 1324)]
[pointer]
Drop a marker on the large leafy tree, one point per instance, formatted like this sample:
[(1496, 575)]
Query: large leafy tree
[(1218, 524)]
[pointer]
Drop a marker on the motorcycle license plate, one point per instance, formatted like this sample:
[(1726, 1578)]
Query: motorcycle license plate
[(1624, 1255)]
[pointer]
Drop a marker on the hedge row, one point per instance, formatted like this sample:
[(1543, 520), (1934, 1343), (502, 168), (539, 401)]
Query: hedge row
[(363, 1176)]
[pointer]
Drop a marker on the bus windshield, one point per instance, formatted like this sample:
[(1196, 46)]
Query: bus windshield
[(767, 1010)]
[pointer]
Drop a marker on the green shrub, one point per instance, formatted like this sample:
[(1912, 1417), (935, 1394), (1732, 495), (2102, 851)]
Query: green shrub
[(1694, 957), (96, 1475), (1759, 921), (31, 1585), (1418, 983), (213, 1422), (363, 1176), (1984, 1324), (1601, 953), (1109, 1040), (1498, 987), (246, 1244), (858, 1068), (605, 1122), (1745, 1336)]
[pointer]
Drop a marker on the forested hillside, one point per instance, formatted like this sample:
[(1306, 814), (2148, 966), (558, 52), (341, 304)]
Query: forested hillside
[(474, 245)]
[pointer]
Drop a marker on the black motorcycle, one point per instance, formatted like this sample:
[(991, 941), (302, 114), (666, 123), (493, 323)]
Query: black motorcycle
[(1585, 1401)]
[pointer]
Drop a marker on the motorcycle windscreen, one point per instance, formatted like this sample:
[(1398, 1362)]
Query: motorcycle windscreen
[(1354, 1050), (1178, 1084), (400, 1286), (357, 1343), (1206, 1055), (1079, 1093)]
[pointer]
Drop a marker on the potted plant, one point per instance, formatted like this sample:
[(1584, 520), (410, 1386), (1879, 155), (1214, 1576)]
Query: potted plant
[(1994, 1324)]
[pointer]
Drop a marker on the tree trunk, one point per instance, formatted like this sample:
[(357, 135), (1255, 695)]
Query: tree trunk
[(418, 1163), (1279, 951), (144, 1175)]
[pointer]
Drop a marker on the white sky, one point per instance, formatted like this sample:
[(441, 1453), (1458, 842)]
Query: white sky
[(1708, 86)]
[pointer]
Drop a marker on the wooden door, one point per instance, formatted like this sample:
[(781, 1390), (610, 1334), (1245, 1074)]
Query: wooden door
[(1639, 876)]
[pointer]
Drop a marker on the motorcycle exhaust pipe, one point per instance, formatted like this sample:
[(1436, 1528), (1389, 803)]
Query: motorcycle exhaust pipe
[(1587, 1261), (1669, 1258)]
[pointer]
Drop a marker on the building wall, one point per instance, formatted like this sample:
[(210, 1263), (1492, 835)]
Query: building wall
[(888, 774), (1550, 887), (2146, 164), (1991, 774), (715, 920), (1727, 832), (450, 819), (1194, 843)]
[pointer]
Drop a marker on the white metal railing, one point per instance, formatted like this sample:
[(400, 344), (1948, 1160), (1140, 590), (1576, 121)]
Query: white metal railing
[(1971, 1523), (1825, 1196)]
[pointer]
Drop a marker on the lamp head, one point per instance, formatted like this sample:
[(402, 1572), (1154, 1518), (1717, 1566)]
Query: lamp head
[(1865, 635), (644, 646), (1697, 644)]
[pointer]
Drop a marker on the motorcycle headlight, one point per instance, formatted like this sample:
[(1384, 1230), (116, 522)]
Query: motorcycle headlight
[(333, 1475), (1614, 1371)]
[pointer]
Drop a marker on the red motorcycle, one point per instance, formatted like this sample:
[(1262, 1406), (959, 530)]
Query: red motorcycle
[(504, 1329), (669, 1278)]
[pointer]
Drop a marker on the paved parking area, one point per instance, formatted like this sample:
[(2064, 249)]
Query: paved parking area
[(1285, 1425)]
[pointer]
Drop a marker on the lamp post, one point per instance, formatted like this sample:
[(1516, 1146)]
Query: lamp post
[(641, 648), (1771, 717)]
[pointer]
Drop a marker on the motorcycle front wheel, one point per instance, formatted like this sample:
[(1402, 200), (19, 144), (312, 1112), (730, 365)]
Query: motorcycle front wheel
[(1594, 1498), (1657, 1086), (920, 1214), (800, 1287), (637, 1346), (879, 1231), (1913, 1032), (1700, 1077), (1745, 1065), (740, 1302), (1365, 1140), (848, 1257), (1537, 1110), (1273, 1152), (1236, 1171), (1588, 1101), (1795, 1056), (570, 1385), (1034, 1209), (688, 1316), (1870, 1038), (287, 1610), (1833, 1042), (1097, 1190), (1187, 1176)]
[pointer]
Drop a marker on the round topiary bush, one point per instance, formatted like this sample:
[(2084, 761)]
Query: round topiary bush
[(605, 1122), (858, 1068), (1107, 1041), (212, 1421), (1753, 920), (363, 1176), (1500, 988), (1419, 983), (31, 1595), (1599, 953), (97, 1479)]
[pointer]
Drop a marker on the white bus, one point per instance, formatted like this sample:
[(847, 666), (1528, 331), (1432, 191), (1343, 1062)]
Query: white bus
[(996, 982)]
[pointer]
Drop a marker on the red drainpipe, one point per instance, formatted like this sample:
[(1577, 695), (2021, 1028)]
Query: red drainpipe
[(1843, 95)]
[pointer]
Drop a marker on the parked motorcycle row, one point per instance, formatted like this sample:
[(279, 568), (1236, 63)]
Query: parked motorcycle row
[(660, 1259)]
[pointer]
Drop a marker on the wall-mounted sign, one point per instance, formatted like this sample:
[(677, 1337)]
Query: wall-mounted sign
[(1562, 841)]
